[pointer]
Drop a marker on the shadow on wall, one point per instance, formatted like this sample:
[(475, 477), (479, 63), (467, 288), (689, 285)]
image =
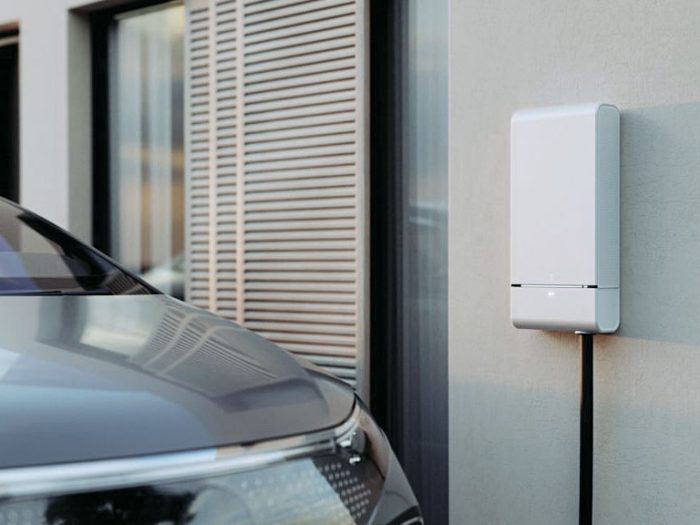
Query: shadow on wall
[(660, 223)]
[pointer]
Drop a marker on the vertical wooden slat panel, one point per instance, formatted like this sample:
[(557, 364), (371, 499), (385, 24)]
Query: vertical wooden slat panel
[(240, 151), (227, 188), (198, 144)]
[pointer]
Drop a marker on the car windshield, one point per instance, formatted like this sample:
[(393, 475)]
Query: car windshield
[(37, 258)]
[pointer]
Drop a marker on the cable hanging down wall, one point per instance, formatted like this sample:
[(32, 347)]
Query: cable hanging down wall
[(586, 439)]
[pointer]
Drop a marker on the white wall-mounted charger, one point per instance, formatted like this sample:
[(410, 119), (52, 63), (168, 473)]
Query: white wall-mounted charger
[(565, 218)]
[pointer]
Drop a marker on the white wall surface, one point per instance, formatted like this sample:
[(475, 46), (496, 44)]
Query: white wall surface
[(514, 394), (55, 138)]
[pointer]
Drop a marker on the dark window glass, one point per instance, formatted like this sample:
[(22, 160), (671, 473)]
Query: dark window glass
[(9, 116), (36, 257)]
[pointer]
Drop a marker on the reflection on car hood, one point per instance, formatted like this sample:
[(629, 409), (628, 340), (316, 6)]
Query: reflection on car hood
[(90, 377)]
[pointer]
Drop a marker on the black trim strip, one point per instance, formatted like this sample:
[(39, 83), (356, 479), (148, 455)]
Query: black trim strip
[(554, 286), (386, 209)]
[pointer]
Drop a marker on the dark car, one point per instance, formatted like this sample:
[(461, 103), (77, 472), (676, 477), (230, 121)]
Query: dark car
[(121, 405)]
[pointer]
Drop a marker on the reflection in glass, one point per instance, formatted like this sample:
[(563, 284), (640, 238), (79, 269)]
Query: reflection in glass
[(423, 254), (146, 133), (38, 258)]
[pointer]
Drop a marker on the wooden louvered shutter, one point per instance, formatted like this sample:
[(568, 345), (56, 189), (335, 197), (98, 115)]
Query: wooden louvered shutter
[(276, 173)]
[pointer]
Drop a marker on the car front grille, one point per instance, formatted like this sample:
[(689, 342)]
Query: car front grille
[(334, 481)]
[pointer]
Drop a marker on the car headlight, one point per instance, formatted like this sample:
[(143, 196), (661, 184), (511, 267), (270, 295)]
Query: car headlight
[(335, 477)]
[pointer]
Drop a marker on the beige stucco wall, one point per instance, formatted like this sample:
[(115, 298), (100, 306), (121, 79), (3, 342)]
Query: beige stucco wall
[(514, 394)]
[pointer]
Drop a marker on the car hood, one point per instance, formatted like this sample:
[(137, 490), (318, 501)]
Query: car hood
[(96, 377)]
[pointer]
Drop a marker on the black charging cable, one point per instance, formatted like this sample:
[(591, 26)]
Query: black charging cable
[(585, 509)]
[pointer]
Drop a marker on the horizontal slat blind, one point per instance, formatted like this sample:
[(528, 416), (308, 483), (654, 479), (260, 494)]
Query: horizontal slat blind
[(276, 173)]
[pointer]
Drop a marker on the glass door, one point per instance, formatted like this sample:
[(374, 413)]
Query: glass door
[(139, 131)]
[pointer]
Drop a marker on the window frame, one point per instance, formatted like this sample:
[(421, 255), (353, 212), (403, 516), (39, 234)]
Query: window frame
[(394, 357), (100, 22), (10, 37)]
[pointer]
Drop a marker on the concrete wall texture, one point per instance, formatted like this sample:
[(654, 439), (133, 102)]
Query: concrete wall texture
[(514, 394)]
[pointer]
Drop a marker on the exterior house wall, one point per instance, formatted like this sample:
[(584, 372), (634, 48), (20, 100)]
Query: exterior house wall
[(514, 394), (54, 120)]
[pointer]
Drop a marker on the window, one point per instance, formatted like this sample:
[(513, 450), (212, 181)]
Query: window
[(275, 182), (9, 115), (139, 176)]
